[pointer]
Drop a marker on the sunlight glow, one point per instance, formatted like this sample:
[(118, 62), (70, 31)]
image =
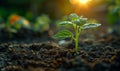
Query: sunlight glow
[(80, 1), (84, 1)]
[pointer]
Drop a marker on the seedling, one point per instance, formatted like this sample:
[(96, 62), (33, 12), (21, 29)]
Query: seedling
[(79, 24)]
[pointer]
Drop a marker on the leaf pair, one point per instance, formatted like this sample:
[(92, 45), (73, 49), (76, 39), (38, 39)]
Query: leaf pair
[(74, 19)]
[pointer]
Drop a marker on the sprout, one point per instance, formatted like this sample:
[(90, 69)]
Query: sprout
[(79, 24)]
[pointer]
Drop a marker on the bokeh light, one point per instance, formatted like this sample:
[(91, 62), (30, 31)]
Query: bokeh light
[(84, 1)]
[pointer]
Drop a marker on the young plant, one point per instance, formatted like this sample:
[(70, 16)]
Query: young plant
[(79, 24)]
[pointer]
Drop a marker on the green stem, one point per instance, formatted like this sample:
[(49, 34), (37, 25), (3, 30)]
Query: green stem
[(76, 38)]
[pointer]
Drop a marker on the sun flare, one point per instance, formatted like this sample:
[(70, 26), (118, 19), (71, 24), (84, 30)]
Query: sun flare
[(80, 1), (83, 1)]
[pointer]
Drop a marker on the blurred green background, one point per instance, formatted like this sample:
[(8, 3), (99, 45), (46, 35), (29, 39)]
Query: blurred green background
[(31, 9)]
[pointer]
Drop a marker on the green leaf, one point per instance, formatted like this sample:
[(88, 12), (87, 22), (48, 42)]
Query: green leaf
[(73, 17), (63, 34), (83, 20), (79, 20), (90, 25), (65, 22)]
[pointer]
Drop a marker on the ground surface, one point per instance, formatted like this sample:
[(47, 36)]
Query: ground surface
[(100, 55)]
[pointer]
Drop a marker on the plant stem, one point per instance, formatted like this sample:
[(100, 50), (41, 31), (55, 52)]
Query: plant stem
[(76, 38)]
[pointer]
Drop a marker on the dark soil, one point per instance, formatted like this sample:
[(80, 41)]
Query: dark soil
[(24, 36), (100, 55)]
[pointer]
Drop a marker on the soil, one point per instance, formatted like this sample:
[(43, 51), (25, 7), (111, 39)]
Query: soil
[(99, 55), (24, 36)]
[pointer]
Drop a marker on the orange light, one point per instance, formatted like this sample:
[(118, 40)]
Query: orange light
[(79, 1), (84, 1), (14, 18)]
